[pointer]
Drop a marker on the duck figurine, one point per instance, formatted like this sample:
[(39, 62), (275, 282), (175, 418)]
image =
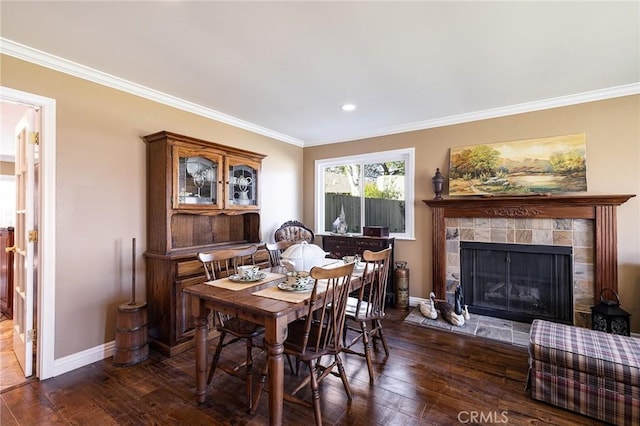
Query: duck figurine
[(448, 313), (428, 309), (459, 301)]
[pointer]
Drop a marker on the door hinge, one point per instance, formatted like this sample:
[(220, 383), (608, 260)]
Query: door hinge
[(33, 236), (32, 335), (34, 138)]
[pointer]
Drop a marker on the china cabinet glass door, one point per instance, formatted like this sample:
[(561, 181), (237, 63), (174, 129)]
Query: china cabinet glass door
[(198, 176), (242, 183)]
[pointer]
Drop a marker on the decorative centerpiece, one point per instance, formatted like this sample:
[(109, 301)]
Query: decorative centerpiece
[(302, 257)]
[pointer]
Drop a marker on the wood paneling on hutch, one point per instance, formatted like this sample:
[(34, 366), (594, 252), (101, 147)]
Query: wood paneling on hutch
[(201, 196)]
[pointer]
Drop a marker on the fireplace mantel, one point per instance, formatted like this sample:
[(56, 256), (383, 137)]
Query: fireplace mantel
[(600, 208)]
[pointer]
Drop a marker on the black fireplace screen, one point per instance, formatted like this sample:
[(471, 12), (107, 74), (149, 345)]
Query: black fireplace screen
[(517, 282)]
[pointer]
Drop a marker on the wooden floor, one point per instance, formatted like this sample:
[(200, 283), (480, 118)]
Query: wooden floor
[(10, 372), (432, 377)]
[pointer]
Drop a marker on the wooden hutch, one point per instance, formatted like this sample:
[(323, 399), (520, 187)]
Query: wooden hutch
[(201, 196)]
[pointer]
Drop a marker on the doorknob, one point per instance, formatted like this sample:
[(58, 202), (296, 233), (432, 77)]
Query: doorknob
[(11, 249)]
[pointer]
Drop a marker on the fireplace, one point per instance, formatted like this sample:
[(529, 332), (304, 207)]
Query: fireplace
[(597, 210), (517, 282)]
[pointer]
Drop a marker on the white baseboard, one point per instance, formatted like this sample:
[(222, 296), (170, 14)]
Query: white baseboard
[(415, 301), (80, 359)]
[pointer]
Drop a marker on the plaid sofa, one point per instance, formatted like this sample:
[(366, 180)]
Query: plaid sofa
[(590, 372)]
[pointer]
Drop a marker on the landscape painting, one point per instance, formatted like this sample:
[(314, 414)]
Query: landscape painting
[(527, 167)]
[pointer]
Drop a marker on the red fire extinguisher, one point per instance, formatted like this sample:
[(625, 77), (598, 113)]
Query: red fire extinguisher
[(402, 285)]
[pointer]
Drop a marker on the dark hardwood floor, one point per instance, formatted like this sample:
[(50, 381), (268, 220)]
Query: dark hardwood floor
[(431, 377)]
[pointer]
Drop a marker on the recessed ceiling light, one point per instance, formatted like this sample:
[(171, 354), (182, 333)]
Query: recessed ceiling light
[(348, 107)]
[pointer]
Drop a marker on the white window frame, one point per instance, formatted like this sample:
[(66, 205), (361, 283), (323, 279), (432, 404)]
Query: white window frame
[(407, 155)]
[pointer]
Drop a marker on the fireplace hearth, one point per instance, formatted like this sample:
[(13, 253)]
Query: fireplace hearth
[(517, 282)]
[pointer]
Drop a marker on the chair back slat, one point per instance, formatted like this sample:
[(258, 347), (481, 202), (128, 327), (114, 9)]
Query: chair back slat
[(222, 263), (323, 327), (372, 296), (276, 249)]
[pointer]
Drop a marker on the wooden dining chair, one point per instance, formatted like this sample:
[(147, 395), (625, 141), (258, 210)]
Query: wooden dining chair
[(368, 307), (219, 264), (293, 230), (276, 249), (319, 334)]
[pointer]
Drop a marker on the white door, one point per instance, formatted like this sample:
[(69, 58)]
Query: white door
[(25, 239)]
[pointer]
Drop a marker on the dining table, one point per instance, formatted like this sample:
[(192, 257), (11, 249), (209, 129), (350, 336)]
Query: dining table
[(262, 302)]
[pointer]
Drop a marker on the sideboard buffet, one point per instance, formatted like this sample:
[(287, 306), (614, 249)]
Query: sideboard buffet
[(201, 196), (347, 245)]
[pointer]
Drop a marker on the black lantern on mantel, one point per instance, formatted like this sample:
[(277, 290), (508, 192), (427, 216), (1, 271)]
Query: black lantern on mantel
[(609, 317), (438, 184)]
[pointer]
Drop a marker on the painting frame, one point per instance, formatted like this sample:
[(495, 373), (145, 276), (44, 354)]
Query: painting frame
[(546, 165)]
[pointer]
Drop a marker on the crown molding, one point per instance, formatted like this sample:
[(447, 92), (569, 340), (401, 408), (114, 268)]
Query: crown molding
[(57, 63), (579, 98), (44, 59)]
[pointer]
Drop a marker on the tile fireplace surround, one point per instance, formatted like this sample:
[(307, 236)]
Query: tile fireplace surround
[(585, 222)]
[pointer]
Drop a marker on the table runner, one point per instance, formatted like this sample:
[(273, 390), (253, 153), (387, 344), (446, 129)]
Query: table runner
[(235, 286)]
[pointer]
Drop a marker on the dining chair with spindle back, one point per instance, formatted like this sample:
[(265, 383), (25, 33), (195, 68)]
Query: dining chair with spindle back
[(219, 264), (293, 230), (368, 307), (276, 249), (319, 334)]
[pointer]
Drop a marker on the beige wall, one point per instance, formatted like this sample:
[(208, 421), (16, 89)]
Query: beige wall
[(612, 129), (100, 185), (7, 168), (101, 195)]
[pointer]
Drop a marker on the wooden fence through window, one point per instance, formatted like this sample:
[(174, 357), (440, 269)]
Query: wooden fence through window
[(378, 212)]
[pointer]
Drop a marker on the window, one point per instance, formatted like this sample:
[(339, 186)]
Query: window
[(374, 189)]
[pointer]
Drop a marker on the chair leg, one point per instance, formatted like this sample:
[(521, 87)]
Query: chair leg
[(295, 370), (380, 335), (344, 333), (262, 382), (367, 350), (315, 395), (372, 335), (343, 377), (249, 376), (216, 356)]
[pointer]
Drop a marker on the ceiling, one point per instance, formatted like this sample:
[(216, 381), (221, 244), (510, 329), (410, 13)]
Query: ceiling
[(283, 69)]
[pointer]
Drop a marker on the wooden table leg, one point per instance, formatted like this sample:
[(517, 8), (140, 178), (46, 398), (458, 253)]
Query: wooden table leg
[(275, 335), (201, 313)]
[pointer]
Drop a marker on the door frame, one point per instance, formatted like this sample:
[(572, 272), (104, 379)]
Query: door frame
[(46, 265)]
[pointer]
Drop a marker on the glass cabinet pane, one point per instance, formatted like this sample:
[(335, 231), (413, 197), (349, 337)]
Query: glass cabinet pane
[(242, 185), (197, 182)]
